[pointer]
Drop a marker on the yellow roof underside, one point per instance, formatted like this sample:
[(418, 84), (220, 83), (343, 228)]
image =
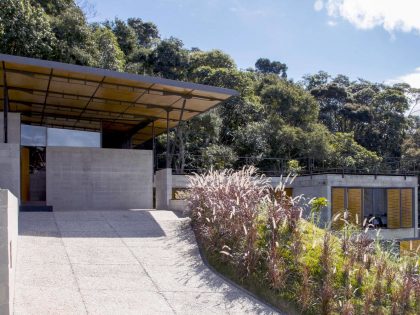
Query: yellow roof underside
[(68, 96)]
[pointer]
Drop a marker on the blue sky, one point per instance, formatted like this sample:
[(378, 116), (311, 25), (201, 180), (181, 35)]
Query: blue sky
[(378, 40)]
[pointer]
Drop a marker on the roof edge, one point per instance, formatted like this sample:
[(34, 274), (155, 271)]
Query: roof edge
[(115, 74)]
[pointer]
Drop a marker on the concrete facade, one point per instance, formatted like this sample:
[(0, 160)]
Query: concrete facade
[(13, 128), (321, 185), (9, 210), (308, 187), (10, 167), (163, 185), (99, 179)]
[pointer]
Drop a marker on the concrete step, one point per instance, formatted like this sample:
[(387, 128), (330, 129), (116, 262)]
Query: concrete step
[(35, 208)]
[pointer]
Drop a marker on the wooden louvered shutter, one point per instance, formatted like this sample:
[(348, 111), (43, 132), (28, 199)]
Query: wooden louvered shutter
[(406, 208), (355, 205), (393, 201), (337, 206)]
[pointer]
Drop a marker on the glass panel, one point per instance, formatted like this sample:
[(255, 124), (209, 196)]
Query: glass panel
[(379, 206), (368, 203), (73, 138), (33, 136)]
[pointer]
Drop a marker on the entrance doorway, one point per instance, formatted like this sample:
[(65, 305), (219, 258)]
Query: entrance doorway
[(33, 176)]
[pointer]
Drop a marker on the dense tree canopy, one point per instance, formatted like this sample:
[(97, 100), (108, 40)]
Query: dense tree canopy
[(333, 120)]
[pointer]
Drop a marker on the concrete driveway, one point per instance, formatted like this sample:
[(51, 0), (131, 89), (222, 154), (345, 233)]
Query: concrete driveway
[(118, 262)]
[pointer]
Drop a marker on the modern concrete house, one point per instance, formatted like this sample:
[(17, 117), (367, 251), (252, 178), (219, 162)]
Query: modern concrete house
[(391, 199), (80, 138)]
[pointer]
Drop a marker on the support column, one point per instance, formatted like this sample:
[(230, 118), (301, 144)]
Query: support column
[(5, 106), (163, 184), (154, 145), (168, 162)]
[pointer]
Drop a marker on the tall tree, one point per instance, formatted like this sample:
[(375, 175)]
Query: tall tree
[(25, 30), (265, 65), (146, 32), (109, 52)]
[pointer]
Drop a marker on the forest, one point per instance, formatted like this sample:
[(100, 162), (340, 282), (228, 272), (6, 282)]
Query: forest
[(332, 121)]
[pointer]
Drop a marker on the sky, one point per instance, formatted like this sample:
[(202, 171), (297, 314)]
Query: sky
[(377, 40)]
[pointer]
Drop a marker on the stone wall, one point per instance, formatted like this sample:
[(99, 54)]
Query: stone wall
[(8, 249), (99, 179)]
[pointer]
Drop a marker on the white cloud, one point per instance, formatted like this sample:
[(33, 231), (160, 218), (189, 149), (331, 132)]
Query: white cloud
[(412, 78), (392, 15), (318, 5)]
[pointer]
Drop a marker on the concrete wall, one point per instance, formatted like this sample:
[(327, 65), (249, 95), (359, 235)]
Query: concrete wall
[(37, 186), (13, 128), (99, 179), (163, 184), (10, 167), (8, 249)]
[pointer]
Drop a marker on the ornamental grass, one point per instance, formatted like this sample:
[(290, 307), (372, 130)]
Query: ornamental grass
[(261, 237)]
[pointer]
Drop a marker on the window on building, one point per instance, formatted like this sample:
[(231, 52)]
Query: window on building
[(374, 206), (383, 207), (38, 136)]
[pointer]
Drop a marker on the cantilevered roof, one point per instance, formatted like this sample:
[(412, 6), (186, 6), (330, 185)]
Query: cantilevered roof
[(76, 97)]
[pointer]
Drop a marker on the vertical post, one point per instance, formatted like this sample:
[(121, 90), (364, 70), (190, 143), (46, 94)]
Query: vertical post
[(5, 113), (5, 104), (153, 146), (167, 140)]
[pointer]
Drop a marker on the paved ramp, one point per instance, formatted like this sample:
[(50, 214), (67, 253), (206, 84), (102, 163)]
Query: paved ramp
[(118, 262)]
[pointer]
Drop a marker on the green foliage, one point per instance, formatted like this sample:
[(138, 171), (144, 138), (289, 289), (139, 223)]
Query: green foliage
[(219, 156), (214, 59), (147, 32), (25, 30), (272, 117), (264, 65), (345, 151), (75, 38), (291, 103), (293, 167), (110, 55)]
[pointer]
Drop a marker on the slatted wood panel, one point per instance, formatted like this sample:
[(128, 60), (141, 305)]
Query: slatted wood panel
[(393, 201), (411, 246), (24, 174), (289, 192), (337, 206), (354, 202), (406, 208)]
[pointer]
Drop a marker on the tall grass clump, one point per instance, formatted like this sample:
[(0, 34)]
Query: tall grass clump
[(258, 237)]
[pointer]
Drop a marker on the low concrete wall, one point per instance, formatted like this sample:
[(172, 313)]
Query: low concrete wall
[(99, 179), (163, 184), (13, 128), (178, 205), (393, 234), (8, 249), (10, 167)]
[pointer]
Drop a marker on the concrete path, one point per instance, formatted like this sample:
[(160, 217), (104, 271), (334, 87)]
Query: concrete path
[(118, 262)]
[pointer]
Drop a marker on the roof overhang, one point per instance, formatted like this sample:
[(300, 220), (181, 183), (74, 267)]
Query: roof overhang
[(55, 94)]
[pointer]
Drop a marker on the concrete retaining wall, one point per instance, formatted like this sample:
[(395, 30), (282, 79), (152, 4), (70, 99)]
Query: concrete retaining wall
[(10, 167), (99, 179), (8, 249)]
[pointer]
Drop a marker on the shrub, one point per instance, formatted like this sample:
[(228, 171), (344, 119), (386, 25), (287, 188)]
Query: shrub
[(263, 240)]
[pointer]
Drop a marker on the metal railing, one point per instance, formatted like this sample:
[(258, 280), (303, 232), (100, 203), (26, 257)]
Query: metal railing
[(269, 166)]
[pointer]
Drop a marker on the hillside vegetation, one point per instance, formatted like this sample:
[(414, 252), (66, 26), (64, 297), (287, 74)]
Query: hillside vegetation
[(336, 121)]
